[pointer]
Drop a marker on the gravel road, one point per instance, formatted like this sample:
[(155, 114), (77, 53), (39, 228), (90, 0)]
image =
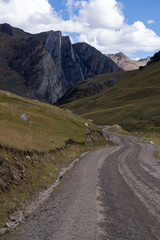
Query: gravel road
[(111, 193)]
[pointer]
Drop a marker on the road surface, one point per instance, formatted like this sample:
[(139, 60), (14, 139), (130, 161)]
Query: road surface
[(111, 193)]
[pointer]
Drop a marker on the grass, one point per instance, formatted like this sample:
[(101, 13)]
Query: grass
[(157, 154), (89, 86), (47, 127), (152, 136), (134, 102), (33, 152), (118, 130)]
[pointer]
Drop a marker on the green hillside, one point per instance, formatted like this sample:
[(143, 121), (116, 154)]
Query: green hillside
[(37, 141), (134, 102), (93, 86), (47, 127)]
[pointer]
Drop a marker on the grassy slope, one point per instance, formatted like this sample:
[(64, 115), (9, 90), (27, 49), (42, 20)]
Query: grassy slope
[(54, 126), (82, 88), (32, 155), (133, 103), (157, 154)]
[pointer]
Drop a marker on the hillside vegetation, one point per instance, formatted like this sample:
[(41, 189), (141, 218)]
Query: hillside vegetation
[(93, 86), (47, 127), (37, 141), (134, 102)]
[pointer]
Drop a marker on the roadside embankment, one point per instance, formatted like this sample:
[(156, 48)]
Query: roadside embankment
[(37, 142)]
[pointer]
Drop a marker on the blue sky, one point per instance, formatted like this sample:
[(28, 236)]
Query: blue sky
[(130, 26), (143, 10)]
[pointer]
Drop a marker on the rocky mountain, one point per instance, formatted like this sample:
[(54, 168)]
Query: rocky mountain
[(154, 59), (92, 61), (45, 65), (126, 63)]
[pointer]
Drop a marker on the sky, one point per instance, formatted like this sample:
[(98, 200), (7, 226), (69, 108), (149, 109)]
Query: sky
[(128, 26)]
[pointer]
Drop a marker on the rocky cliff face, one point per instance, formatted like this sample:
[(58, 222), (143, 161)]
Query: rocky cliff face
[(155, 58), (46, 65), (92, 61)]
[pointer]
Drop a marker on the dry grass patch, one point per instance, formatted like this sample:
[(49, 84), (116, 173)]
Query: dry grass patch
[(157, 154), (46, 128)]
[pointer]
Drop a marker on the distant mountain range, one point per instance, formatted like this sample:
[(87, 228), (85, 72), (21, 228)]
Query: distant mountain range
[(126, 63), (45, 65)]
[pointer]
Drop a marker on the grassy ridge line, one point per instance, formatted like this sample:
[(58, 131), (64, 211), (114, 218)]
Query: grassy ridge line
[(133, 103)]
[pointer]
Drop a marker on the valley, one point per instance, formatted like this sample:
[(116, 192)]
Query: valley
[(134, 102), (79, 140)]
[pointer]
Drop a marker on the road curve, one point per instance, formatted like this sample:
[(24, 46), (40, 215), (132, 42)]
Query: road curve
[(111, 193)]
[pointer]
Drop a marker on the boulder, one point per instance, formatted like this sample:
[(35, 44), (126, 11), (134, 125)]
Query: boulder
[(24, 117)]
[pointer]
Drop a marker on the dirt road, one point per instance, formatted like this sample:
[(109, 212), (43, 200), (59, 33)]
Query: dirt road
[(111, 193)]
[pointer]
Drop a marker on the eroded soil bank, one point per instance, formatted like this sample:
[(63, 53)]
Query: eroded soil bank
[(24, 174)]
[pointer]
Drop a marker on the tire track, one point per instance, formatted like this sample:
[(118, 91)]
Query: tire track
[(130, 195), (141, 183)]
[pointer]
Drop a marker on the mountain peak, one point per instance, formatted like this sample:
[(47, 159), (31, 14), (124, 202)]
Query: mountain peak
[(12, 31), (156, 57), (6, 28), (126, 63), (121, 55)]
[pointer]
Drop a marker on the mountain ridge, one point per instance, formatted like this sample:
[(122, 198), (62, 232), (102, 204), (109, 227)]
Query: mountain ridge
[(45, 65)]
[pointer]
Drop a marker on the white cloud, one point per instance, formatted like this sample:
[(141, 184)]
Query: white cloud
[(107, 30), (130, 38), (101, 14), (150, 21), (19, 11), (72, 5), (27, 14), (100, 23), (35, 16)]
